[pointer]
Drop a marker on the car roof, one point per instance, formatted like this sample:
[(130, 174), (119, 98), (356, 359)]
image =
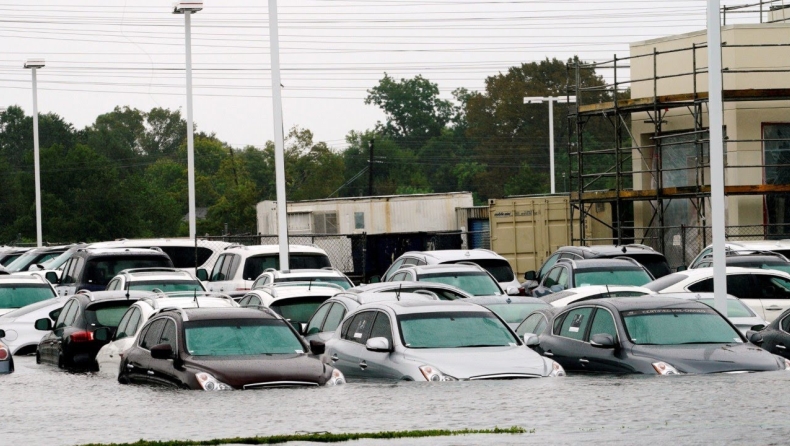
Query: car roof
[(612, 250), (590, 290), (601, 263), (361, 298), (187, 302), (767, 245), (307, 272), (695, 296), (199, 314), (97, 296), (708, 271), (494, 300), (414, 306), (454, 267), (286, 292), (155, 274), (120, 251), (751, 258), (393, 286), (10, 279), (640, 303), (146, 242), (273, 249), (447, 255)]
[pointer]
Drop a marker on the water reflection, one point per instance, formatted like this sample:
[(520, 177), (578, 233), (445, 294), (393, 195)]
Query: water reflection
[(42, 405)]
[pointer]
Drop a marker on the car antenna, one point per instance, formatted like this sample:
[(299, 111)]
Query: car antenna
[(608, 293), (197, 304), (310, 285), (127, 290), (397, 294)]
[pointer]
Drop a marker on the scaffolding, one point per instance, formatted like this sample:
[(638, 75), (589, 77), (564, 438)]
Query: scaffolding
[(594, 182)]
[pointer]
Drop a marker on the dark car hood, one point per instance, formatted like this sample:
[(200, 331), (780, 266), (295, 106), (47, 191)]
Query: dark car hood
[(711, 358), (238, 371)]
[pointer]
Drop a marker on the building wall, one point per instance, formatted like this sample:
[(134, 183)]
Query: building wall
[(742, 120)]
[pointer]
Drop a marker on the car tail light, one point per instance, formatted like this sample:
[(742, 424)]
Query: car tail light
[(81, 336), (4, 353)]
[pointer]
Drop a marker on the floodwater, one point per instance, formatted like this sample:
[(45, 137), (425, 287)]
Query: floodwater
[(40, 404)]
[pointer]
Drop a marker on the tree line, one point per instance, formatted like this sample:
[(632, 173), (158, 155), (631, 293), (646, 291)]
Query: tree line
[(125, 175)]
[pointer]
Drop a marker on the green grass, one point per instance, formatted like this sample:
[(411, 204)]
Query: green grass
[(324, 437)]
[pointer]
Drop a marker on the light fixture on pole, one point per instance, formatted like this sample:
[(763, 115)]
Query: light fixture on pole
[(550, 100), (279, 137), (33, 65), (189, 8)]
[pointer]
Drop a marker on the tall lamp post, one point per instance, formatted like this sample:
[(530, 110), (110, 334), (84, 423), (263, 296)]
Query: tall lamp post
[(33, 65), (550, 100), (189, 8)]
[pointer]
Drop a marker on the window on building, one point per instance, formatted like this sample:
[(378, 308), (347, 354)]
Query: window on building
[(325, 222), (359, 220), (776, 153)]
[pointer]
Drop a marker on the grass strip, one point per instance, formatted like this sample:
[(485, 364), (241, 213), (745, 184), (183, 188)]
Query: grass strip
[(324, 437)]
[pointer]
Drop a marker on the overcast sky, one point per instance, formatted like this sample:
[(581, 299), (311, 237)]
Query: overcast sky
[(102, 54)]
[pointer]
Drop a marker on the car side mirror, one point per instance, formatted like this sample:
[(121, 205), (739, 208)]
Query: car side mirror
[(317, 347), (51, 277), (44, 324), (374, 279), (378, 345), (682, 268), (102, 334), (754, 337), (530, 275), (2, 333), (602, 340), (531, 339), (162, 351), (201, 274), (757, 327)]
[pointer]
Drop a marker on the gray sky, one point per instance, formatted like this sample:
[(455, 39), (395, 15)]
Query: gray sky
[(102, 54)]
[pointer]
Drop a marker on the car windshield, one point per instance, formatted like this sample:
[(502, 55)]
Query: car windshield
[(735, 308), (58, 261), (21, 295), (254, 266), (170, 285), (677, 326), (635, 277), (107, 314), (240, 337), (54, 303), (474, 283), (516, 312), (23, 262), (298, 309), (341, 281), (498, 268), (454, 330)]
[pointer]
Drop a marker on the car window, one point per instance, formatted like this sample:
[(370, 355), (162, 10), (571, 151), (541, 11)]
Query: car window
[(134, 322), (250, 301), (701, 256), (382, 328), (260, 282), (336, 314), (74, 271), (785, 324), (216, 273), (152, 334), (121, 332), (184, 256), (72, 314), (547, 265), (410, 261), (401, 276), (113, 285), (541, 325), (360, 327), (552, 278), (530, 324), (603, 323), (100, 270), (739, 285), (169, 334), (575, 323), (772, 287), (562, 280), (315, 322), (61, 322), (346, 327), (570, 255), (395, 266), (230, 266)]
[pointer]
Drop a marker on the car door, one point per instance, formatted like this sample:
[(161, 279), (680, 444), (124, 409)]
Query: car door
[(550, 280), (775, 294), (379, 364), (347, 354), (333, 319), (46, 346), (391, 270), (63, 332), (566, 344), (162, 371), (603, 360), (139, 365), (315, 322)]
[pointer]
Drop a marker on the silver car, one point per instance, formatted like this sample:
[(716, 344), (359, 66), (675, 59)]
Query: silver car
[(417, 340)]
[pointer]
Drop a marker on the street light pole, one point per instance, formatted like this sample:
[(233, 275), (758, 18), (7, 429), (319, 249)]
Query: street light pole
[(33, 65), (189, 8), (550, 100)]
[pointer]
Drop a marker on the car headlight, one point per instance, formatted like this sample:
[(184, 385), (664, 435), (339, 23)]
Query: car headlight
[(433, 374), (208, 382), (556, 370), (336, 379), (662, 368)]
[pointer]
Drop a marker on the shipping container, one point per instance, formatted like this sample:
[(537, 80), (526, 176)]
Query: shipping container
[(526, 230)]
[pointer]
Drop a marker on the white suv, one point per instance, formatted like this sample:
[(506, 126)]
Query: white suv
[(238, 266), (182, 251), (20, 291), (494, 263), (777, 246)]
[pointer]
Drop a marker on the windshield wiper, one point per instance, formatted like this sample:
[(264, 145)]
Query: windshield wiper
[(482, 345)]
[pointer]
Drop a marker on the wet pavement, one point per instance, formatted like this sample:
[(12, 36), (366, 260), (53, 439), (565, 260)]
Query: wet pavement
[(43, 405)]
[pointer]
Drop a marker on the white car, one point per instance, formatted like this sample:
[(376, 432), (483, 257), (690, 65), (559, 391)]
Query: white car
[(765, 291), (295, 302), (21, 335), (569, 296), (778, 246), (737, 312), (238, 266), (152, 279), (109, 357), (492, 262), (21, 291), (181, 251), (327, 275)]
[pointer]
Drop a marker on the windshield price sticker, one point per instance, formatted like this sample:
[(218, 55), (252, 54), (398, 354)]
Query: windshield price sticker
[(577, 322), (668, 311)]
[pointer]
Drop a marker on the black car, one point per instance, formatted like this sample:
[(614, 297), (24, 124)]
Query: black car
[(72, 343), (654, 261), (224, 349), (6, 359), (569, 273), (536, 322), (35, 257), (650, 335), (776, 336)]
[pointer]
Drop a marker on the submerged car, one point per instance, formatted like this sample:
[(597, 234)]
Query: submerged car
[(6, 358), (512, 309), (21, 335), (776, 336), (737, 312), (471, 278), (294, 301), (650, 335), (569, 273), (218, 349), (418, 340), (20, 291)]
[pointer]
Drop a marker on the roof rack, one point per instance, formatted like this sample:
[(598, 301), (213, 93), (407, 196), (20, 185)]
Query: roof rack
[(747, 252), (184, 316), (159, 294), (152, 269), (630, 260), (571, 261), (88, 293), (467, 262), (429, 293), (233, 245), (271, 288)]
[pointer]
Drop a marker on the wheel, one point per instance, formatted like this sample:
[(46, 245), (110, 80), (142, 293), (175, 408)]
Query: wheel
[(61, 361), (38, 357)]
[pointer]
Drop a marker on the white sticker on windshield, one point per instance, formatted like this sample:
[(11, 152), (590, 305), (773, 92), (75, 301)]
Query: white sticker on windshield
[(512, 344), (573, 329), (357, 335), (738, 340), (299, 352)]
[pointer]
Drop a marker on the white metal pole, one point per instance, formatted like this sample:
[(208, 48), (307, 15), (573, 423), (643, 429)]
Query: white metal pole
[(716, 119), (551, 142), (190, 128), (279, 138), (36, 164)]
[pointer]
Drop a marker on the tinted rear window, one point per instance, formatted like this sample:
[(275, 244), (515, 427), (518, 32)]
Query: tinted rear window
[(498, 268), (665, 282), (298, 309), (254, 266), (100, 270), (184, 256), (657, 265), (107, 314)]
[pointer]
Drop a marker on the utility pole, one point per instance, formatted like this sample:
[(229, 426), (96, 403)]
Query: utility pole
[(371, 143)]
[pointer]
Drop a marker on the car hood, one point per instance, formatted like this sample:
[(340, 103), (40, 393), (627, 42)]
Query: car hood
[(481, 362), (6, 310), (268, 370), (711, 358)]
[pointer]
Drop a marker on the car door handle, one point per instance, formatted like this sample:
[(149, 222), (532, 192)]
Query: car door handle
[(773, 308), (363, 365), (780, 347), (150, 372), (584, 361), (334, 357)]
